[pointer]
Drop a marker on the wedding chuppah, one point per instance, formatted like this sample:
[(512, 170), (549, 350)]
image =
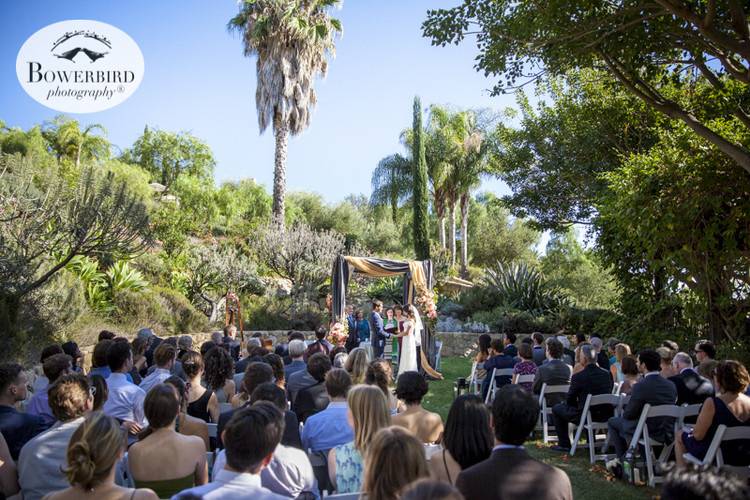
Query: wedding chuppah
[(418, 283)]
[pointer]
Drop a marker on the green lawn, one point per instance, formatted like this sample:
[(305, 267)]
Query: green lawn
[(589, 482)]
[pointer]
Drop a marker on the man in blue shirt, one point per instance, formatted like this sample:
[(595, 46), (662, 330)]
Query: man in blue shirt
[(330, 427), (17, 428), (296, 350), (500, 360)]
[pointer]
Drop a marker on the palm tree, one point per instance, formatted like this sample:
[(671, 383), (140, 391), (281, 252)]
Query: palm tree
[(68, 141), (292, 40), (392, 183)]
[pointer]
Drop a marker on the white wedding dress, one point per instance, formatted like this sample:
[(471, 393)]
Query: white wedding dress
[(408, 361)]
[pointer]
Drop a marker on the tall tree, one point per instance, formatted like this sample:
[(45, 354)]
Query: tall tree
[(420, 203), (292, 40), (392, 182), (69, 142)]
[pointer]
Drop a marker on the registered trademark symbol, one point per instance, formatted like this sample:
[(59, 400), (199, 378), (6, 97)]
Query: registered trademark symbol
[(120, 89)]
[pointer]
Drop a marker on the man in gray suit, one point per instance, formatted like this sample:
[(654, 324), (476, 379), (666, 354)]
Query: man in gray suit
[(554, 372)]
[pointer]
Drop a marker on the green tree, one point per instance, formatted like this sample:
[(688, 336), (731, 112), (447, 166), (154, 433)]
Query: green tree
[(69, 142), (292, 40), (392, 183), (243, 205), (497, 238), (421, 209)]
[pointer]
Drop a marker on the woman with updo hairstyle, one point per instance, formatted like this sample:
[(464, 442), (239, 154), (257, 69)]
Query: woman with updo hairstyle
[(380, 373), (394, 459), (219, 373), (101, 391), (356, 365), (93, 452), (185, 424), (162, 459), (202, 402)]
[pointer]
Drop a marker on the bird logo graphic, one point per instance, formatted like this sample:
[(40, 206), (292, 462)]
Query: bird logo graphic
[(59, 47)]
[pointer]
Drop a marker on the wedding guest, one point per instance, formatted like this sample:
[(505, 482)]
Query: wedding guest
[(164, 358), (202, 402), (394, 459), (125, 401), (429, 489), (321, 345), (368, 413), (705, 351), (71, 349), (569, 355), (315, 398), (140, 367), (500, 359), (255, 352), (666, 355), (41, 381), (482, 356), (731, 408), (251, 436), (164, 460), (277, 366), (356, 365), (330, 427), (601, 357), (629, 367), (509, 345), (95, 448), (526, 366), (380, 374), (510, 472), (54, 367), (411, 387), (257, 373), (702, 483), (363, 328), (554, 372), (219, 374), (691, 387), (105, 335), (184, 345), (17, 428), (296, 351), (99, 359), (268, 391), (230, 342), (185, 424), (40, 461), (352, 340), (538, 352), (621, 350), (467, 439), (8, 472), (339, 361)]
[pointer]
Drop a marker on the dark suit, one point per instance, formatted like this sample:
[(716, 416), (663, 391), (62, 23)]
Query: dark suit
[(602, 360), (377, 334), (500, 362), (591, 380), (19, 428), (654, 390), (691, 387), (553, 372), (291, 427), (510, 474), (538, 354), (310, 401)]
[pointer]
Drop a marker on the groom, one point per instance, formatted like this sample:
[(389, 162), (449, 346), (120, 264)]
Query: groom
[(377, 333)]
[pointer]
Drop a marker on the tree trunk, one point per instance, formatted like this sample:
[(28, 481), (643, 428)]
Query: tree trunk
[(441, 229), (464, 234), (281, 132), (452, 230), (78, 155)]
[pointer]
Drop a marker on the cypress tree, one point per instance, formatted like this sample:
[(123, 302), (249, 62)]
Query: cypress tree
[(421, 215)]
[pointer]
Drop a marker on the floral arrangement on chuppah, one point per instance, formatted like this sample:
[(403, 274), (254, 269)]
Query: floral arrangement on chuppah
[(338, 334), (427, 302)]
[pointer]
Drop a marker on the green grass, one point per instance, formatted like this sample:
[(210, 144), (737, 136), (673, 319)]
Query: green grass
[(589, 482)]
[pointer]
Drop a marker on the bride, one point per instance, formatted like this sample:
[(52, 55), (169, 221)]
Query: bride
[(408, 361)]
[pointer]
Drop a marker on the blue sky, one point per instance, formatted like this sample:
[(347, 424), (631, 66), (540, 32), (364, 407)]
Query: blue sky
[(196, 79)]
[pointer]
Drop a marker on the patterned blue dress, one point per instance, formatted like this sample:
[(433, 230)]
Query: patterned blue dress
[(349, 469)]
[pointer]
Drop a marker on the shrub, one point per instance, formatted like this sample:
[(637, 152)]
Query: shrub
[(158, 307)]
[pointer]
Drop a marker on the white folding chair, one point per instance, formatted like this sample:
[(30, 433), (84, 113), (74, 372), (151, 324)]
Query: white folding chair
[(641, 437), (616, 387), (473, 377), (722, 435), (624, 400), (345, 496), (689, 411), (546, 411), (594, 429), (503, 372), (525, 379), (213, 430)]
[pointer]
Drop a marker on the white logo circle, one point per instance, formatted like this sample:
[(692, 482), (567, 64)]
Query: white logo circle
[(80, 66)]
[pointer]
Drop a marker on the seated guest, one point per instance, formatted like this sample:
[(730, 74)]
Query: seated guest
[(706, 369), (411, 387), (320, 344), (138, 372), (500, 359), (615, 368), (509, 345), (101, 393), (666, 355), (339, 360), (569, 355), (691, 387), (591, 380), (254, 354), (630, 373), (99, 359), (380, 374), (483, 355), (653, 389), (314, 398), (299, 380), (71, 349), (368, 413), (230, 342), (526, 366), (251, 438), (429, 489), (731, 408), (17, 428), (330, 427), (702, 483), (105, 335), (538, 351), (162, 459), (705, 352), (601, 357), (54, 367), (95, 448), (296, 350), (268, 391), (125, 401), (185, 424), (219, 374), (41, 381), (554, 372), (611, 348), (164, 358), (184, 345), (8, 472), (510, 472), (467, 439), (277, 366), (43, 458), (356, 365), (289, 472), (394, 459), (580, 339), (257, 373), (202, 402)]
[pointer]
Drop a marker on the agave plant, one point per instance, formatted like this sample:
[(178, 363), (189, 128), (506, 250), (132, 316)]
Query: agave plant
[(122, 277), (524, 288), (101, 287)]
